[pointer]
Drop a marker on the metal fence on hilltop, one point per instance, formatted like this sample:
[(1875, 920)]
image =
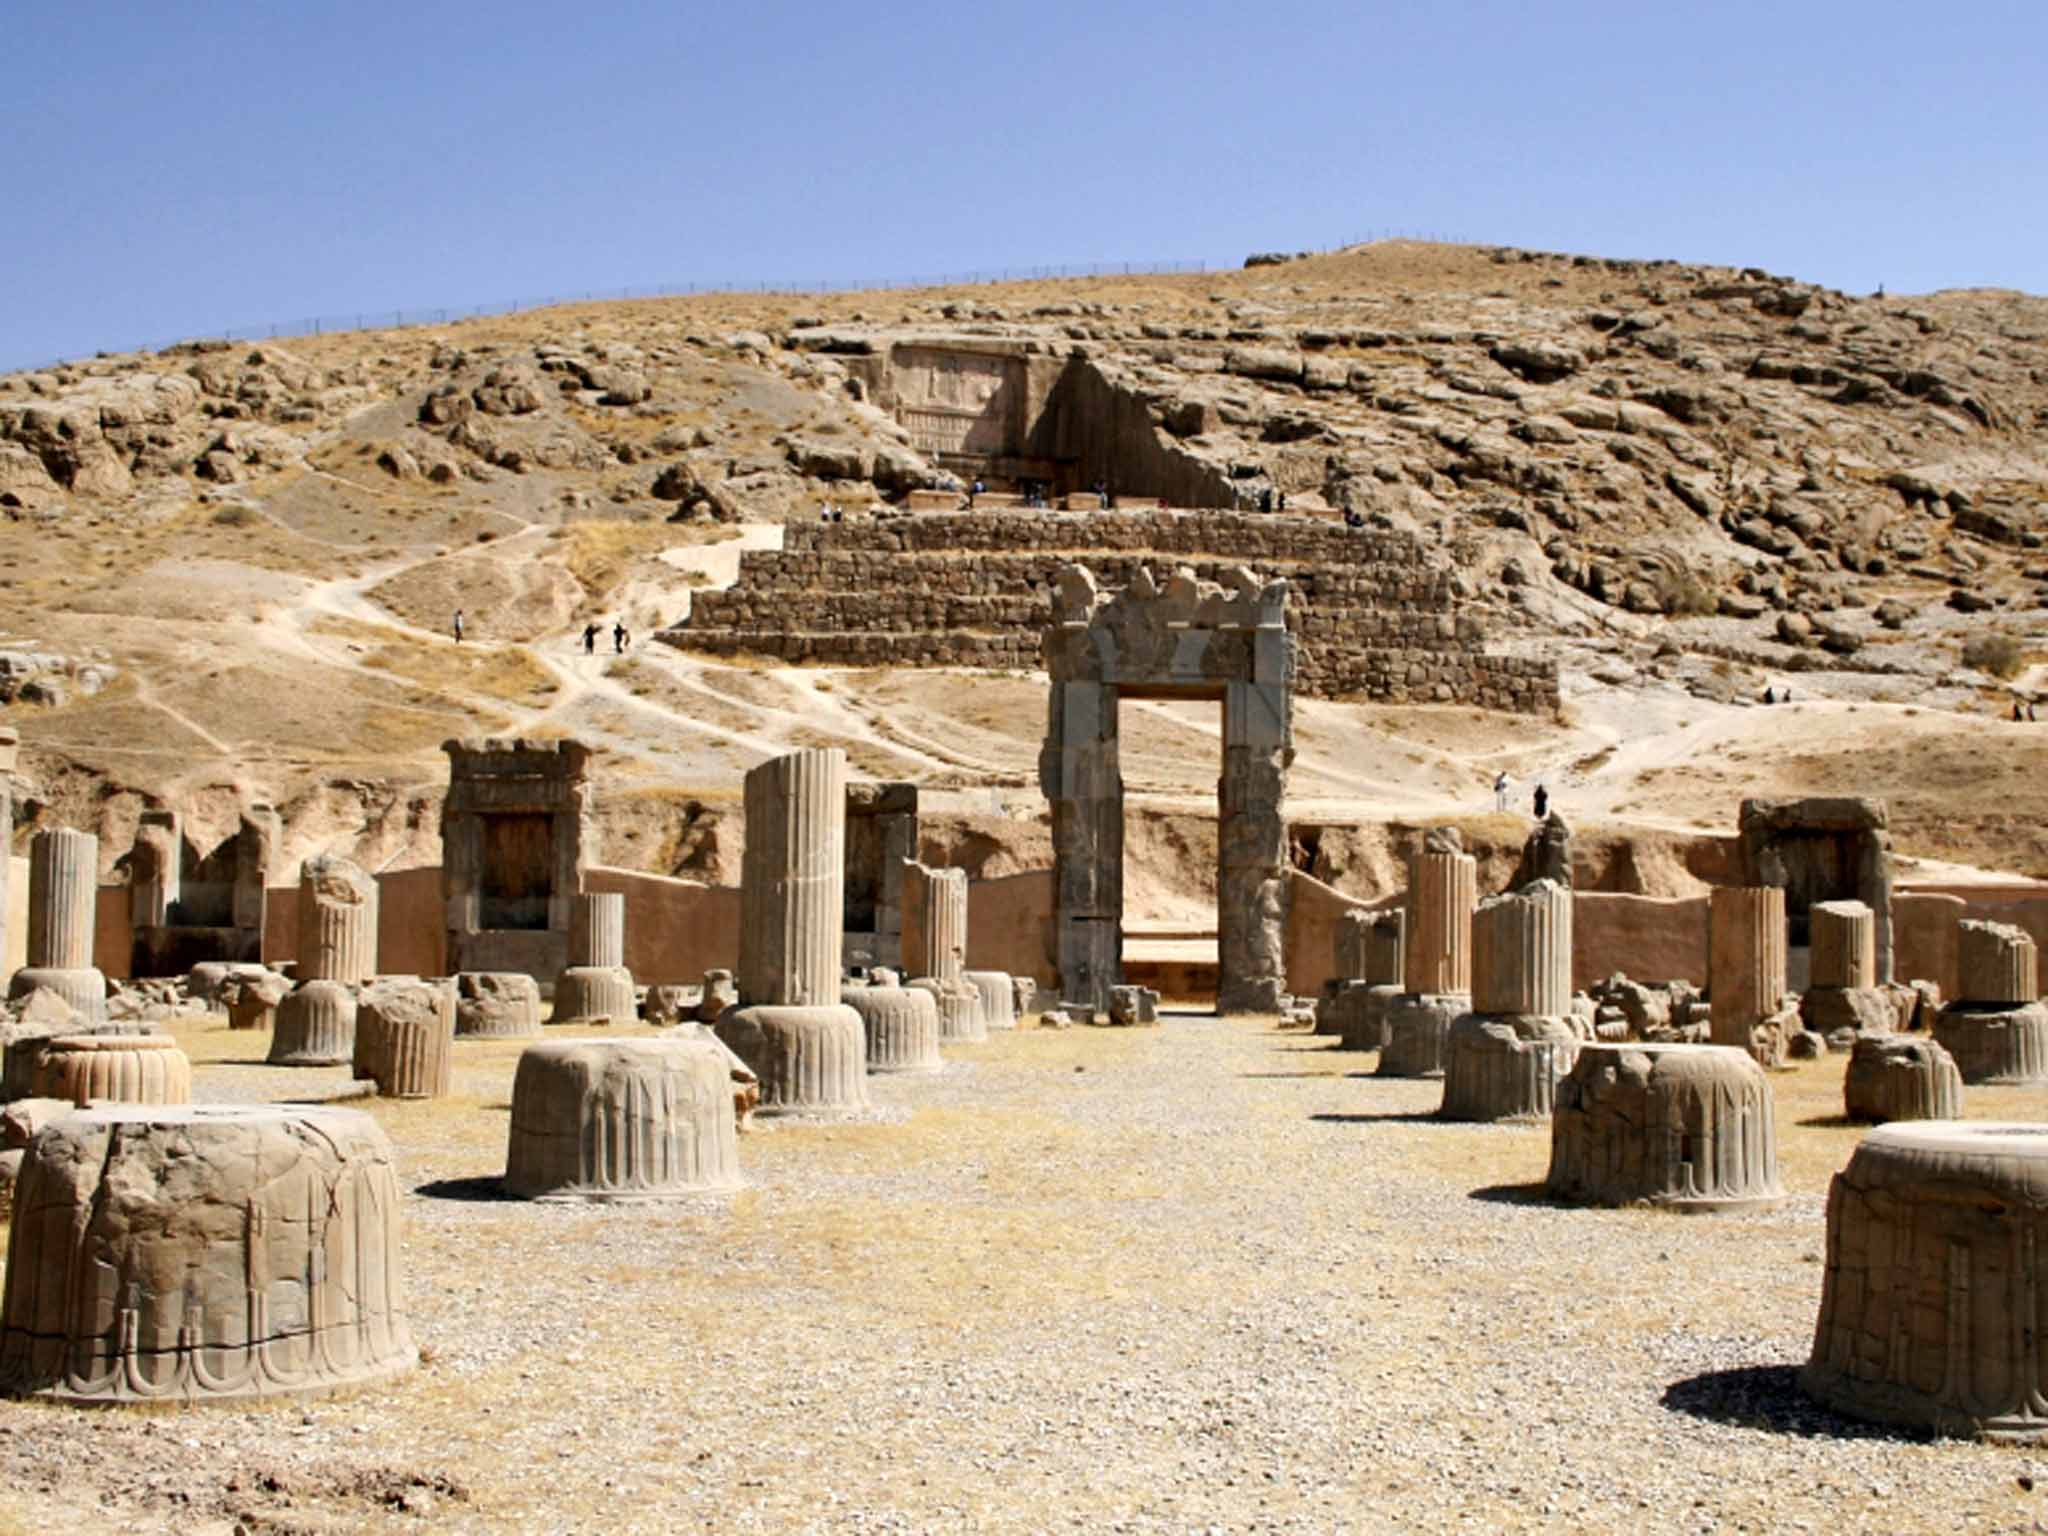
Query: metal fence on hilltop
[(451, 314)]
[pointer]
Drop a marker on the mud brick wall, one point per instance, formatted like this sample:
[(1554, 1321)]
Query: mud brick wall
[(1376, 614)]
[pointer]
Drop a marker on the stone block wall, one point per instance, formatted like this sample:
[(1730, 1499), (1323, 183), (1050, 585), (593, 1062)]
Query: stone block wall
[(1374, 614)]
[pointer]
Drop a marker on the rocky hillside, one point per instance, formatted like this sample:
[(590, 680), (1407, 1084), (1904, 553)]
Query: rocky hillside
[(231, 567)]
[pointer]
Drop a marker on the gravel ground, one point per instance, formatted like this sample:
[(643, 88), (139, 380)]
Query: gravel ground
[(1204, 1277)]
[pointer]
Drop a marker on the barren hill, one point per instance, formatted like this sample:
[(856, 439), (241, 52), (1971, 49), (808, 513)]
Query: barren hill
[(229, 571)]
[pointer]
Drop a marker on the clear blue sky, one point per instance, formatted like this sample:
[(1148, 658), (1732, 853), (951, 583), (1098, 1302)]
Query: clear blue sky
[(183, 168)]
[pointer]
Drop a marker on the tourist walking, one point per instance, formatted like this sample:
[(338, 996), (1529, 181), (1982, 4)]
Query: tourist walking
[(1500, 791), (458, 626), (590, 638), (619, 637), (1542, 802)]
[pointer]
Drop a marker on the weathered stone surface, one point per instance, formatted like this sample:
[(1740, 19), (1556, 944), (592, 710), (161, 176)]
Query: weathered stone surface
[(496, 1003), (251, 995), (1522, 952), (1192, 638), (597, 931), (720, 993), (934, 922), (1499, 1067), (316, 1026), (83, 991), (1823, 849), (1686, 1126), (1417, 1032), (1937, 1265), (667, 1004), (901, 1025), (405, 1037), (1746, 968), (1133, 1005), (516, 837), (128, 1069), (587, 994), (1844, 935), (959, 1007), (1546, 855), (1023, 996), (1998, 963), (1996, 1042), (793, 881), (1860, 1010), (998, 1006), (337, 922), (1891, 1077), (63, 897), (809, 1060), (1443, 888), (622, 1120), (204, 1252)]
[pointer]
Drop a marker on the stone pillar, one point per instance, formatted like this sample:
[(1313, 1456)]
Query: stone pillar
[(935, 948), (10, 747), (807, 1048), (1844, 937), (1937, 1262), (1251, 834), (405, 1037), (155, 865), (1386, 945), (1443, 887), (1522, 953), (63, 894), (256, 853), (1998, 964), (1895, 1077), (1997, 1030), (1746, 967), (792, 880), (597, 932), (1348, 944), (1079, 771), (63, 899), (337, 922)]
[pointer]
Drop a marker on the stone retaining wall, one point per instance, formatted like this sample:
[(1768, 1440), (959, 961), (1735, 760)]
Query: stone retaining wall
[(1374, 613)]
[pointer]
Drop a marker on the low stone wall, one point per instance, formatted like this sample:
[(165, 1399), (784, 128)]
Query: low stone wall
[(1010, 928), (1374, 613), (1650, 938)]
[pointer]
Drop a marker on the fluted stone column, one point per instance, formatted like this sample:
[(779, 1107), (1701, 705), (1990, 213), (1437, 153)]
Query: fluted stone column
[(793, 880), (1522, 952), (1997, 1030), (597, 931), (10, 747), (807, 1047), (1442, 890), (337, 922), (1746, 967), (935, 947), (1844, 935), (63, 891), (63, 899), (155, 868), (597, 984)]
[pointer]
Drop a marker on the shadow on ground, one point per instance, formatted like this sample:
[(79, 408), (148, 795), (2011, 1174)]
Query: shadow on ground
[(490, 1188), (1767, 1397), (1391, 1117)]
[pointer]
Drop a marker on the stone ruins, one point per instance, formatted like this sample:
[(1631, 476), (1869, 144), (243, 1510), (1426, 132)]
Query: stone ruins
[(1746, 970), (1893, 1077), (1503, 1060), (515, 838), (129, 1069), (278, 1271), (316, 1021), (1937, 1261), (1378, 615), (1436, 964), (1822, 850), (405, 1037), (1191, 639), (1689, 1126), (808, 1049), (63, 891), (496, 1003), (595, 986), (607, 1120), (901, 1024), (1997, 1030), (881, 834), (935, 948), (186, 911)]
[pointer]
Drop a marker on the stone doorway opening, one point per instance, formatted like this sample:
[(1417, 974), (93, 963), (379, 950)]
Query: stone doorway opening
[(1183, 638), (1169, 919)]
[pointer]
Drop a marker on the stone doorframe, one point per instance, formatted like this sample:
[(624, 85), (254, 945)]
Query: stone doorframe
[(1194, 640)]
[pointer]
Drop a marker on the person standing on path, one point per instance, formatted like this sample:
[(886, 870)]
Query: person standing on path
[(590, 638), (1500, 790), (1542, 802), (458, 626), (619, 636)]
